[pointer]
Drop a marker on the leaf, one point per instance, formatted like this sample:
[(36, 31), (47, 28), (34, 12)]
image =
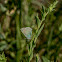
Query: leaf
[(45, 59), (37, 34), (2, 36), (31, 55), (3, 9), (43, 9), (37, 20), (52, 6), (27, 31), (3, 45), (2, 58), (37, 58), (50, 37), (60, 28)]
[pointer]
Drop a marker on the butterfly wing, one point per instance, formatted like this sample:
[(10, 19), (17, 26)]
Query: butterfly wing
[(27, 32)]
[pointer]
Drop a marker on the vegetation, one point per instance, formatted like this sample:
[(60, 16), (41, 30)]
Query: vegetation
[(41, 41), (2, 58)]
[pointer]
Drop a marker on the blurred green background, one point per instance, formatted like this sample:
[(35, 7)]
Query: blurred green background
[(16, 14)]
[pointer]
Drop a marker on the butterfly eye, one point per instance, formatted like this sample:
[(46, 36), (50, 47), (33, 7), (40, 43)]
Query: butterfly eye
[(27, 32)]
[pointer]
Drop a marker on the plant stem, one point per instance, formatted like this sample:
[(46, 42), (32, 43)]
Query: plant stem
[(18, 35), (32, 44)]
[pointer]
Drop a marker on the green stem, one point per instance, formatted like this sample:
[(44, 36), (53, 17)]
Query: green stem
[(32, 44), (18, 35)]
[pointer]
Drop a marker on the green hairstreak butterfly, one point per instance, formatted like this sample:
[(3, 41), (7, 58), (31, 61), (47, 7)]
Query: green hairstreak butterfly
[(27, 31)]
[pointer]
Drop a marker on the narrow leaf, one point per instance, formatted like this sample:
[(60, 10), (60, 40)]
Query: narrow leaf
[(45, 59), (37, 34), (43, 9), (37, 20), (37, 58)]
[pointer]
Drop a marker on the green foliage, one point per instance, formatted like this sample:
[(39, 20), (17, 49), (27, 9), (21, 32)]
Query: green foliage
[(37, 20), (2, 58), (3, 9), (3, 45), (45, 59), (16, 14), (32, 44), (60, 28), (52, 6), (37, 58)]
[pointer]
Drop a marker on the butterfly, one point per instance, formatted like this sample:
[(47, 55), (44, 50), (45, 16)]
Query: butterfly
[(27, 31)]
